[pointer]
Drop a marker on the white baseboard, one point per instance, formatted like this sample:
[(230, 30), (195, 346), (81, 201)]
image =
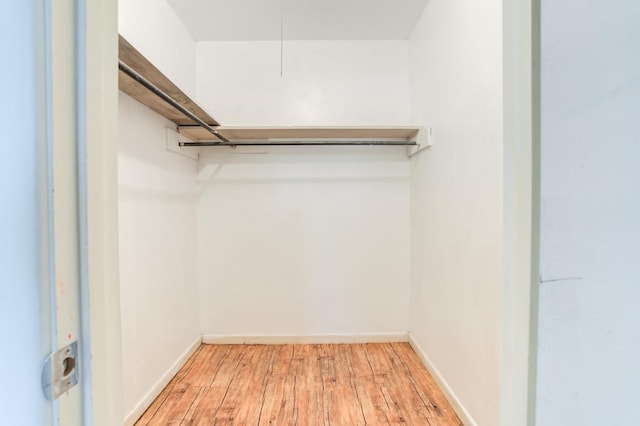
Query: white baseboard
[(456, 404), (153, 393), (268, 339)]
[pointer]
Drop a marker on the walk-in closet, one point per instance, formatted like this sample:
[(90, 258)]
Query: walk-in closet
[(310, 209)]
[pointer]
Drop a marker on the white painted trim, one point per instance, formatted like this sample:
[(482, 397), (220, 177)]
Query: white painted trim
[(153, 393), (101, 95), (456, 404), (269, 339)]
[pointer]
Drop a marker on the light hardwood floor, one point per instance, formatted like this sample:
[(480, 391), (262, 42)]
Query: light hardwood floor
[(339, 385)]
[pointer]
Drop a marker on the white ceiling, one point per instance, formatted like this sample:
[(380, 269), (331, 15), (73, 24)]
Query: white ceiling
[(303, 19)]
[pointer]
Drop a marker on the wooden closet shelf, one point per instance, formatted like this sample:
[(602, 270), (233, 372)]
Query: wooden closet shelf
[(236, 133), (134, 59), (141, 80)]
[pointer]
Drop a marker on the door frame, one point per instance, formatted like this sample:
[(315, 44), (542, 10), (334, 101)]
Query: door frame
[(521, 209), (521, 197), (98, 35)]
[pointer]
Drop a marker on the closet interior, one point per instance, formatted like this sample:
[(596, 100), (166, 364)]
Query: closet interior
[(312, 192)]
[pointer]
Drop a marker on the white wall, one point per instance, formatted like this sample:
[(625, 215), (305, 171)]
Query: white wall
[(157, 215), (323, 82), (157, 202), (25, 317), (304, 242), (456, 199), (153, 28), (589, 339)]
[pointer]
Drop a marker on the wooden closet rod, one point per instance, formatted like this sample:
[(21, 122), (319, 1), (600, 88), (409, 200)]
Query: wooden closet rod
[(168, 99)]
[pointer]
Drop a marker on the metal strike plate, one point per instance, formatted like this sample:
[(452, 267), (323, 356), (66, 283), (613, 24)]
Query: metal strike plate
[(60, 372)]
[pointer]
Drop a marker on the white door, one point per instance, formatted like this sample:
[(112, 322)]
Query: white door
[(41, 221)]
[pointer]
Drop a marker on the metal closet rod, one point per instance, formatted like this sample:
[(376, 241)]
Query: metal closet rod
[(168, 99), (233, 144)]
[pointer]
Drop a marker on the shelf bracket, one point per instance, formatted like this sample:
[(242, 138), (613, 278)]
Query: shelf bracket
[(424, 140)]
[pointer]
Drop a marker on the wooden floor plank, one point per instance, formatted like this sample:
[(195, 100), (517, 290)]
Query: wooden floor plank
[(155, 406), (165, 411), (189, 415), (424, 382), (362, 384), (205, 411)]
